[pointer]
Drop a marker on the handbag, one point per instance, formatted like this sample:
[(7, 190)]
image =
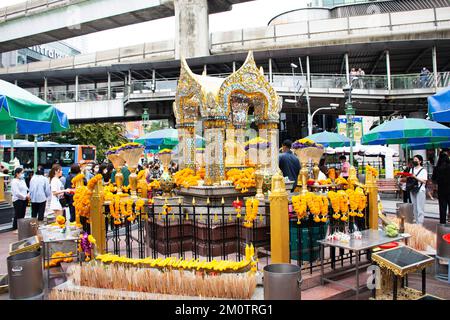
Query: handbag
[(63, 202), (412, 185)]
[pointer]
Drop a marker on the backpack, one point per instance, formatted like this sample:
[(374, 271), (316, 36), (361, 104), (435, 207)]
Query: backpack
[(412, 185)]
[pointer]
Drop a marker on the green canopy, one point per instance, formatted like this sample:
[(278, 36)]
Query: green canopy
[(163, 139), (407, 131), (330, 139), (22, 112)]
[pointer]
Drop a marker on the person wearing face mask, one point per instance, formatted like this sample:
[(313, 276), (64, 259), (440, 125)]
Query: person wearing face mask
[(87, 171), (417, 193), (20, 196), (96, 169), (57, 189), (103, 170)]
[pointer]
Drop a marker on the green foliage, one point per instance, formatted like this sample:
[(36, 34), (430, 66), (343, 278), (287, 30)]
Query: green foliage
[(101, 135)]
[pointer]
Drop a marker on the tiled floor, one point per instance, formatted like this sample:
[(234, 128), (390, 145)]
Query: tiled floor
[(311, 291)]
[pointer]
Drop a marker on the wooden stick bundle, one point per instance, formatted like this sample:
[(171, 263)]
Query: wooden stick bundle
[(150, 280), (421, 237)]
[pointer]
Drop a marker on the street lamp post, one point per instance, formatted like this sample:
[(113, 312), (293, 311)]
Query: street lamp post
[(349, 113), (333, 106), (145, 118)]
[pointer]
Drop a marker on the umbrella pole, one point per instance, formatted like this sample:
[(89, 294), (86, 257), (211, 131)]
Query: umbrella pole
[(11, 158), (35, 154)]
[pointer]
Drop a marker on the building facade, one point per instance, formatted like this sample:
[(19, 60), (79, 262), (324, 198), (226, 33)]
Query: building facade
[(54, 50)]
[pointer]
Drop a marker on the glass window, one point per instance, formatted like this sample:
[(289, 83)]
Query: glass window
[(87, 153)]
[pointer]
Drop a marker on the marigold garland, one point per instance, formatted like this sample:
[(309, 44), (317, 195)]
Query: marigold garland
[(338, 204), (177, 263), (300, 207), (79, 177), (93, 182), (316, 204), (141, 174), (154, 185), (82, 201), (371, 170), (242, 179), (57, 258), (186, 178), (251, 211), (361, 200)]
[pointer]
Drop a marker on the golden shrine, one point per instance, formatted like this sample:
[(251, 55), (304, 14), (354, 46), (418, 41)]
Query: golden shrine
[(222, 106)]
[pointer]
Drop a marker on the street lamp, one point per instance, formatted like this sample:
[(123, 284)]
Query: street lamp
[(333, 106), (349, 113), (145, 119)]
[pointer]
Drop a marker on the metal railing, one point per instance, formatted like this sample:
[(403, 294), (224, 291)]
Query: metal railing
[(32, 6), (99, 94), (215, 231), (375, 24), (281, 82)]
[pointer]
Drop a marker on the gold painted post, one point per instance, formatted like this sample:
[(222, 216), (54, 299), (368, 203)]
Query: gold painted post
[(2, 187), (279, 221), (98, 230), (372, 190)]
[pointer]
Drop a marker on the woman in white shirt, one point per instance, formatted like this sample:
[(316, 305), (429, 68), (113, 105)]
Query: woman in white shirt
[(418, 198), (20, 196), (57, 189)]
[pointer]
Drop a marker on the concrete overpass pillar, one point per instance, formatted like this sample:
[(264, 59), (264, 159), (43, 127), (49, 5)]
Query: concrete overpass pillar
[(109, 86), (308, 72), (435, 71), (45, 89), (270, 70), (347, 68), (191, 28), (76, 88), (388, 69)]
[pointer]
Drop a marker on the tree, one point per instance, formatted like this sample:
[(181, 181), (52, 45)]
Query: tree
[(101, 135)]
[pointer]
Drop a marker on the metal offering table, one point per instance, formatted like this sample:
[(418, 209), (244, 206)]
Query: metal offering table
[(51, 236), (370, 239), (399, 262)]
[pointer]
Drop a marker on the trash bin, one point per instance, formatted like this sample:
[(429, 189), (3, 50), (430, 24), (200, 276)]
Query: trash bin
[(406, 210), (442, 247), (25, 275), (282, 281), (27, 227)]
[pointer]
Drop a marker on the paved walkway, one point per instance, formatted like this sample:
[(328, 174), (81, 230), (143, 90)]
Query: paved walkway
[(431, 207)]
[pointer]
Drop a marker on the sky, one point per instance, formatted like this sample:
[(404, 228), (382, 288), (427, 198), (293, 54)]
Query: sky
[(245, 15)]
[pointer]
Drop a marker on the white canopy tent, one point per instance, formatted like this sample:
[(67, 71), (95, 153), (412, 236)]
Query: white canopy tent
[(371, 151)]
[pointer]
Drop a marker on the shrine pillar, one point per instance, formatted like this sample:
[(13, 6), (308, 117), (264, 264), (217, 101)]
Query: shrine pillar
[(214, 151), (186, 139)]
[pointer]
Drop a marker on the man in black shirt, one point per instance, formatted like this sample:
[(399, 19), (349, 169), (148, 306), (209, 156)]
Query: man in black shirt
[(288, 163)]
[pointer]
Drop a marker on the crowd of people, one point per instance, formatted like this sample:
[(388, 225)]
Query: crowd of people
[(414, 188), (417, 192), (56, 191)]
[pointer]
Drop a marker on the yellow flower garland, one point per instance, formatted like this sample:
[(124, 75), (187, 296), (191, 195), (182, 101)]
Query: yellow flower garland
[(316, 204), (242, 179), (251, 211), (79, 177), (177, 263)]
